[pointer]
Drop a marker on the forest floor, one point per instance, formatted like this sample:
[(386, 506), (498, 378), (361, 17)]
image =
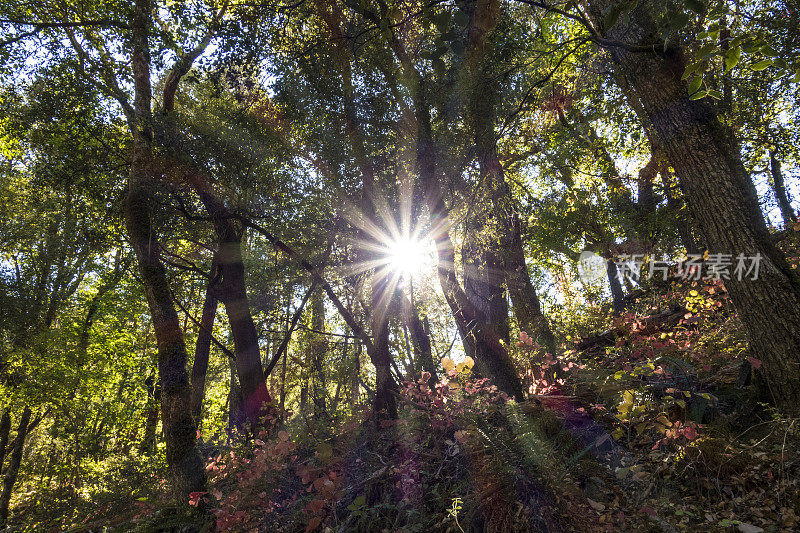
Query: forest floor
[(655, 424)]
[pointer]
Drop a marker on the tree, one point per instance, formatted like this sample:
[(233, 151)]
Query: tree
[(706, 157)]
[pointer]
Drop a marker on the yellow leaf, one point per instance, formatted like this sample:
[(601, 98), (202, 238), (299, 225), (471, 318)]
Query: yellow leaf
[(469, 362), (448, 364)]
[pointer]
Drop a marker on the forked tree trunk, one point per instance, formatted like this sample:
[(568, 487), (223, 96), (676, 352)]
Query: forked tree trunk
[(706, 157), (183, 458), (420, 337), (508, 248), (14, 462), (385, 403), (472, 324), (232, 292)]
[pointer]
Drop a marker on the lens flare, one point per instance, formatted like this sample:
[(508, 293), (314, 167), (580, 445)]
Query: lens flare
[(406, 256)]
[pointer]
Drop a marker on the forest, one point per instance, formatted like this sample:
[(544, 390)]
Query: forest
[(400, 266)]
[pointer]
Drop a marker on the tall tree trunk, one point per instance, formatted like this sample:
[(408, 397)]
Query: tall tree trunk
[(151, 416), (706, 157), (484, 279), (677, 206), (5, 429), (183, 458), (340, 374), (355, 386), (509, 251), (319, 347), (13, 466), (236, 414), (202, 349), (232, 292), (472, 324), (778, 185), (420, 337), (283, 383), (617, 294), (385, 402)]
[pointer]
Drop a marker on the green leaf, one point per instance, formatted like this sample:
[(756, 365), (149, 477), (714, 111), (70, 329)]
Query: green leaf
[(761, 65), (732, 58), (751, 46), (706, 49), (679, 20), (699, 95), (767, 50), (691, 69), (695, 84)]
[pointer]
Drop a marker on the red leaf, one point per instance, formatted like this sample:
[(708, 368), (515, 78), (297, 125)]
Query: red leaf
[(755, 363), (313, 524), (648, 510)]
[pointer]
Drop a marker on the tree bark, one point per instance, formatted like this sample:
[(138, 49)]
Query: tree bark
[(509, 253), (5, 429), (14, 462), (183, 458), (202, 349), (778, 185), (617, 294), (319, 348), (385, 403), (706, 157), (232, 292), (151, 419), (420, 338)]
